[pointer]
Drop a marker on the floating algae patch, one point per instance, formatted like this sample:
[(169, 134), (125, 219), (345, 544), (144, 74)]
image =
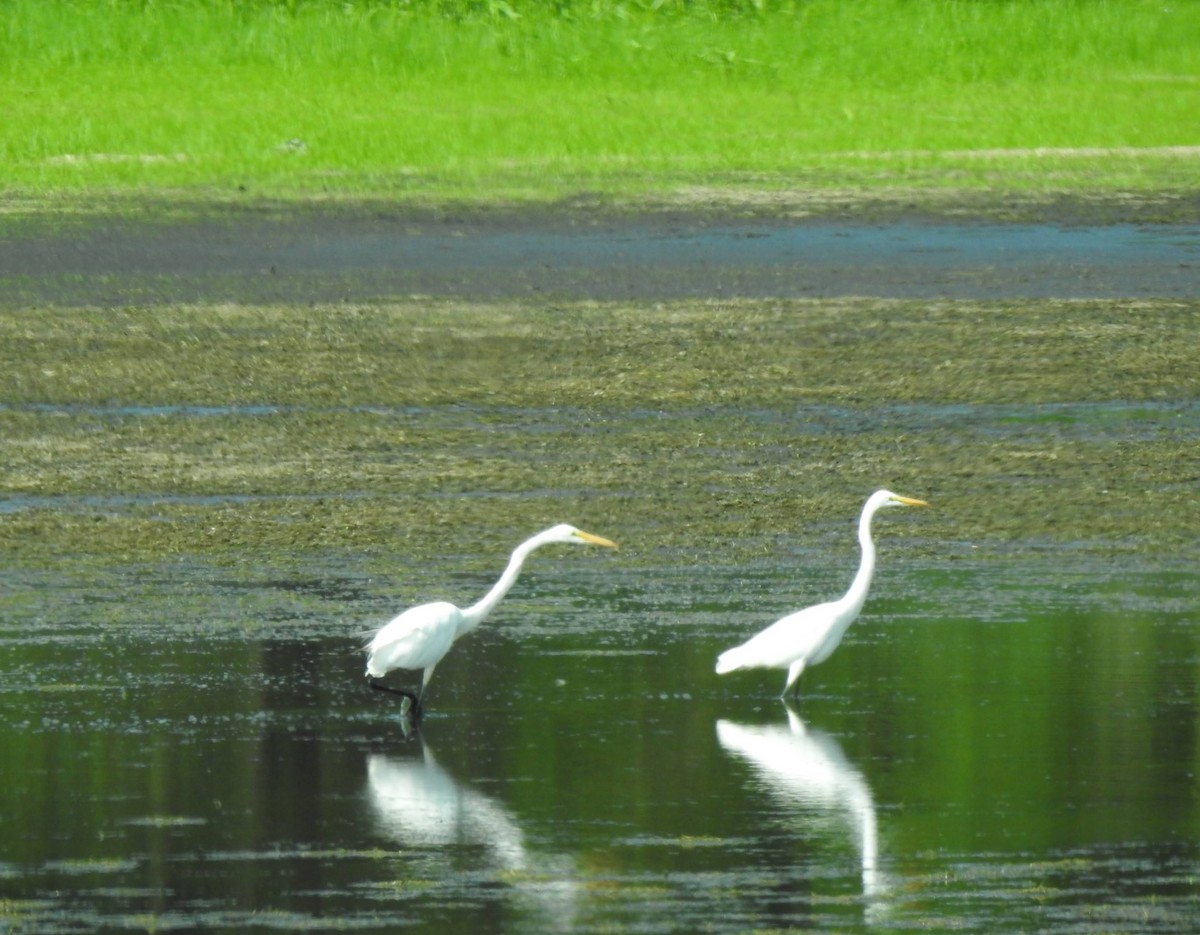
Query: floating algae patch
[(255, 360), (254, 433)]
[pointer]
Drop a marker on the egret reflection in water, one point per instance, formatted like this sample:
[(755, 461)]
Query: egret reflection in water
[(453, 833), (804, 767)]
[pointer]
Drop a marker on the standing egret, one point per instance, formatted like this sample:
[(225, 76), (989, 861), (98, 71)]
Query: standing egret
[(421, 636), (810, 636)]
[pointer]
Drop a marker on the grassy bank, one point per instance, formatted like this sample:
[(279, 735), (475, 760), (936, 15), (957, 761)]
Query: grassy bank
[(515, 99), (265, 435)]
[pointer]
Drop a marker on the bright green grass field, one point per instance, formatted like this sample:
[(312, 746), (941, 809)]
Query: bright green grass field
[(498, 100)]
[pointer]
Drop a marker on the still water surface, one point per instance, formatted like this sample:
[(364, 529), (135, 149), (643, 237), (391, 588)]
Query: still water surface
[(1001, 743)]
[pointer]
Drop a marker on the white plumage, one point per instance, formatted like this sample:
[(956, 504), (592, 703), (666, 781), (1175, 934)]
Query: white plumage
[(421, 636), (810, 636)]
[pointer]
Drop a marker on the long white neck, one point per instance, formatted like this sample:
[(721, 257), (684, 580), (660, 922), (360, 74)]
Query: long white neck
[(857, 595), (474, 615)]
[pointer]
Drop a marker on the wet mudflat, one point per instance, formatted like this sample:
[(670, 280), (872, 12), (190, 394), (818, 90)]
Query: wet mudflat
[(206, 506), (281, 254)]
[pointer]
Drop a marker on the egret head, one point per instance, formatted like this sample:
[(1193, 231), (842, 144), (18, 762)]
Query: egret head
[(567, 533), (881, 498)]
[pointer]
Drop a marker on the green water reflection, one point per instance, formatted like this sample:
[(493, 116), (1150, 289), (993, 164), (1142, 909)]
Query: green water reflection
[(1009, 744)]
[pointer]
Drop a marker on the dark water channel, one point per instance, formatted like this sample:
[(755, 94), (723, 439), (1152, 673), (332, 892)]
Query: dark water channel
[(1000, 745), (304, 256)]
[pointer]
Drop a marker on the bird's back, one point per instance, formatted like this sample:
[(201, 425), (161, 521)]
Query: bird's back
[(416, 639), (796, 636)]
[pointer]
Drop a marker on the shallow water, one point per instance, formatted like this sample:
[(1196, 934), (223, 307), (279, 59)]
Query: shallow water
[(307, 256), (1008, 744)]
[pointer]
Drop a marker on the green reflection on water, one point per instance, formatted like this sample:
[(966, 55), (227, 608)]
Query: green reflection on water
[(998, 745)]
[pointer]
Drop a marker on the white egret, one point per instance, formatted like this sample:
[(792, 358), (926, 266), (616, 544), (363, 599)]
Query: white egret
[(810, 636), (421, 636)]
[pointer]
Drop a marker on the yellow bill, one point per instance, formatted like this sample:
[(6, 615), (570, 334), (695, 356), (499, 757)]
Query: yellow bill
[(596, 540)]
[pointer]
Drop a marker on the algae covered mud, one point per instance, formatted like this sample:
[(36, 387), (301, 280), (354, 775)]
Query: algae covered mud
[(204, 506), (248, 432)]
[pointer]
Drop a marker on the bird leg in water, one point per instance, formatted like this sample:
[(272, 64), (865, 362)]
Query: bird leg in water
[(414, 701), (793, 678)]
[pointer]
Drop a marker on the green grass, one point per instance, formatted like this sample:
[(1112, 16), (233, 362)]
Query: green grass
[(502, 100)]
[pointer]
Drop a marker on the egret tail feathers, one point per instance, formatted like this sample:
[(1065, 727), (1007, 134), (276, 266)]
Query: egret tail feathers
[(729, 660)]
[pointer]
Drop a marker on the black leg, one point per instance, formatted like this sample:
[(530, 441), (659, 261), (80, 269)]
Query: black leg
[(416, 702)]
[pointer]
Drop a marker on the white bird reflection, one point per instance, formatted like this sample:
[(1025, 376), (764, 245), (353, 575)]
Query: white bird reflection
[(421, 807), (805, 767)]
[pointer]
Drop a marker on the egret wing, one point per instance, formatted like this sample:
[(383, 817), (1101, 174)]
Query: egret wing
[(416, 639), (793, 637)]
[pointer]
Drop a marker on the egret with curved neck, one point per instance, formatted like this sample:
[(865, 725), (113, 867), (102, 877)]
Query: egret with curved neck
[(421, 636), (810, 636)]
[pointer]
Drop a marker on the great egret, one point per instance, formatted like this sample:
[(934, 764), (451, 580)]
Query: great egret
[(810, 636), (421, 636)]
